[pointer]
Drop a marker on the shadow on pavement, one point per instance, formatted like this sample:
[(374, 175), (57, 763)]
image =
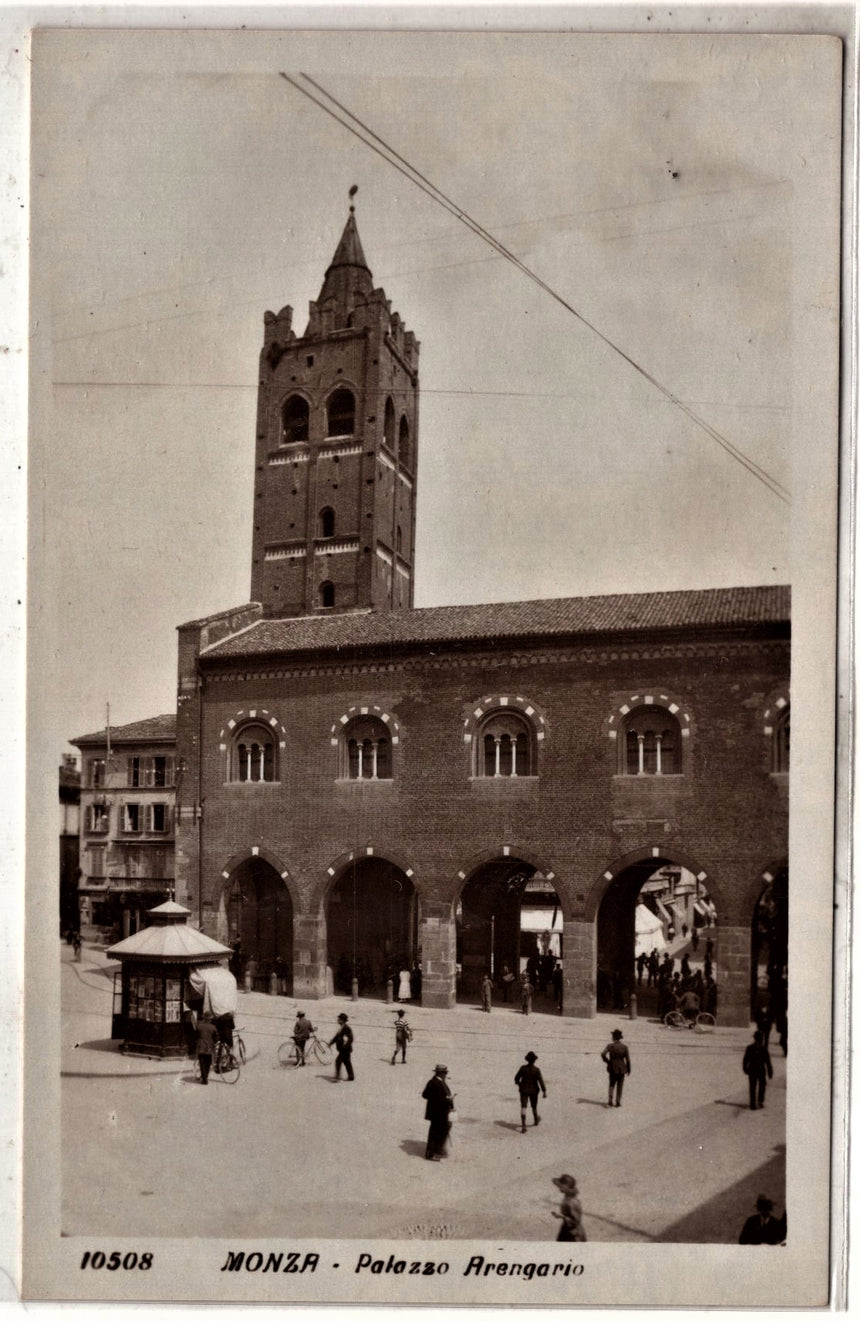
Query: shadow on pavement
[(721, 1219), (104, 1043), (413, 1148), (734, 1105)]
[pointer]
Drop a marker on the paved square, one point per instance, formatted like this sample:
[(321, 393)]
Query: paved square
[(291, 1153)]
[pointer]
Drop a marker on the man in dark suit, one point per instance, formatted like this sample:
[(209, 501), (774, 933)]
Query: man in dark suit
[(758, 1068), (764, 1227), (440, 1103), (343, 1040)]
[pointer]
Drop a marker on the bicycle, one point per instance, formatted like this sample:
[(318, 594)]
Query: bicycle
[(315, 1051), (702, 1022), (225, 1063)]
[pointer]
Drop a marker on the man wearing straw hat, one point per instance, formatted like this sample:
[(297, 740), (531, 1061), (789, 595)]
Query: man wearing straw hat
[(440, 1103)]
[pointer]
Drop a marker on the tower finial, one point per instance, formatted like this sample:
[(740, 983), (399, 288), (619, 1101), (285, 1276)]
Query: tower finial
[(352, 192)]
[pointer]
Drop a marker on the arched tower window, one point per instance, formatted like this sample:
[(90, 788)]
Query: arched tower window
[(327, 594), (399, 545), (295, 420), (781, 741), (365, 750), (389, 430), (404, 449), (651, 742), (252, 754), (341, 413), (326, 522), (504, 746)]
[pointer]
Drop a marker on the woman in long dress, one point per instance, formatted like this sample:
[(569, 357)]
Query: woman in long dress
[(405, 989)]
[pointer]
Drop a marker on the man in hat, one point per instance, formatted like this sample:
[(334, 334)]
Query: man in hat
[(764, 1227), (570, 1211), (343, 1040), (616, 1057), (440, 1103), (530, 1081), (302, 1031), (758, 1068)]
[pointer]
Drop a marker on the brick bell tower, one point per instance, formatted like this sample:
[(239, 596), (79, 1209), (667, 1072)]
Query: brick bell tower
[(337, 450)]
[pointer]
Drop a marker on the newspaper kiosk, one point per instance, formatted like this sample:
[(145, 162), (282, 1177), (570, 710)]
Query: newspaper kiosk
[(150, 1014)]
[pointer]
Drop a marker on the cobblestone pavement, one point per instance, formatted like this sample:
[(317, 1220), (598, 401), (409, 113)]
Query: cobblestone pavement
[(148, 1151)]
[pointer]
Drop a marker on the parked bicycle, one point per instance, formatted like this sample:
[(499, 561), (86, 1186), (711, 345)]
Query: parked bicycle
[(702, 1022), (316, 1051)]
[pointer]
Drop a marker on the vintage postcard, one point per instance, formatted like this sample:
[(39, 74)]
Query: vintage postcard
[(434, 457)]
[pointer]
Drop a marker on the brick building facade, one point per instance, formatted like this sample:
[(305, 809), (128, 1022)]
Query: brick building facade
[(370, 784)]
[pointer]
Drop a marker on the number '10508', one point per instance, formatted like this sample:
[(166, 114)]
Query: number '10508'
[(116, 1261)]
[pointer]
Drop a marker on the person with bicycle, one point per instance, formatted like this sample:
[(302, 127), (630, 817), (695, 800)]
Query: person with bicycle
[(207, 1038), (303, 1030), (688, 1004)]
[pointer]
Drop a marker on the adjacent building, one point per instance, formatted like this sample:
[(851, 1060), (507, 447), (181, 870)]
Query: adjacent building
[(369, 787), (127, 843), (70, 843)]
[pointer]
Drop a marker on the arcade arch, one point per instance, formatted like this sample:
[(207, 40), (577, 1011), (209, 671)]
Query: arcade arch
[(255, 908), (508, 913), (649, 901), (371, 924)]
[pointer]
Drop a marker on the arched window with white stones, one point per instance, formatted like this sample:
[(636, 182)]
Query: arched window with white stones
[(504, 735), (777, 730), (650, 742), (366, 738), (253, 754), (782, 741), (366, 750)]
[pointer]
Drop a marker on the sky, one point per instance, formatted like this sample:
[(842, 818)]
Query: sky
[(680, 193)]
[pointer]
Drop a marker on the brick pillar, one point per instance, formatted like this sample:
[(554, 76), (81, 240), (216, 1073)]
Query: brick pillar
[(437, 938), (580, 969), (309, 957), (732, 960)]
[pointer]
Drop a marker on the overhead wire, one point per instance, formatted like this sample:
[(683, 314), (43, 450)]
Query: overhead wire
[(392, 157)]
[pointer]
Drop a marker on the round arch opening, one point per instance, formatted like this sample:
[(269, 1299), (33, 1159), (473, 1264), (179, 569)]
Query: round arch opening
[(656, 929), (372, 929), (769, 961), (509, 920), (257, 911)]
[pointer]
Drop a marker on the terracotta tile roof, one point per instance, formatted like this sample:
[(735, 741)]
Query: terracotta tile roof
[(157, 729), (734, 607)]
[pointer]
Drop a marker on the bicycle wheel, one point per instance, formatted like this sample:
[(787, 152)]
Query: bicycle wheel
[(675, 1018), (705, 1023), (288, 1055), (225, 1064), (322, 1052), (239, 1047)]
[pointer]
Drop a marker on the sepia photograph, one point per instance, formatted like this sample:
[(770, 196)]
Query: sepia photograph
[(433, 463)]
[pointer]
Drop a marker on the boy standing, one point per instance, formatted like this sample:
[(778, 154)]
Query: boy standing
[(402, 1034)]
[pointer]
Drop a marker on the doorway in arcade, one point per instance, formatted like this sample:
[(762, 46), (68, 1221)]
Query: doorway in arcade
[(258, 912), (769, 963), (508, 914), (372, 929), (655, 904)]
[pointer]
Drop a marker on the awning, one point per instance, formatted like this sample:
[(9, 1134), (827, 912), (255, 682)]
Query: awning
[(540, 919), (217, 985)]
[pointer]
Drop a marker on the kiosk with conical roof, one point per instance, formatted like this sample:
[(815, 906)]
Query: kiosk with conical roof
[(150, 1011)]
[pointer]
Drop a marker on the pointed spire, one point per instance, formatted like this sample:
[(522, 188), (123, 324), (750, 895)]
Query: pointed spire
[(348, 272)]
